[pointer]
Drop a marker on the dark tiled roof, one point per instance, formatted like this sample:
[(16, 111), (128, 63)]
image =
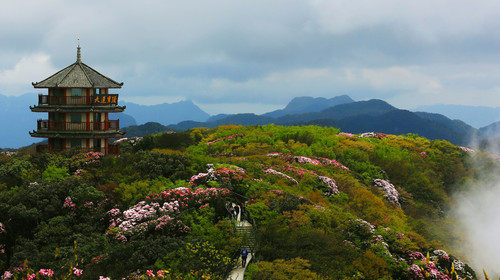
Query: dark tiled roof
[(78, 75)]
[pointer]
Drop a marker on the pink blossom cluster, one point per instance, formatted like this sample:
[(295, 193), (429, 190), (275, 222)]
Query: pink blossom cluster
[(104, 278), (346, 134), (271, 171), (226, 138), (2, 228), (465, 149), (310, 160), (297, 171), (228, 174), (372, 135), (415, 256), (132, 140), (331, 184), (280, 192), (304, 160), (429, 270), (8, 153), (332, 162), (186, 197), (414, 272), (77, 272), (362, 224), (46, 272), (201, 178), (442, 254), (297, 159), (223, 155), (68, 203), (391, 194), (160, 210), (7, 275), (79, 172), (142, 214)]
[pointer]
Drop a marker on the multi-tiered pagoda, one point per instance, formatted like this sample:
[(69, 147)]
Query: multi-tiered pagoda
[(78, 103)]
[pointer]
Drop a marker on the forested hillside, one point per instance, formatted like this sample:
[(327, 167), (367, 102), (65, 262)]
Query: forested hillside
[(323, 204)]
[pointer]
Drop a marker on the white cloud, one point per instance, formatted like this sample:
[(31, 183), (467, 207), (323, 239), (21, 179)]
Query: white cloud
[(30, 68), (401, 79)]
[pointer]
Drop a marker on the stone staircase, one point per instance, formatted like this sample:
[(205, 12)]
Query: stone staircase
[(244, 230)]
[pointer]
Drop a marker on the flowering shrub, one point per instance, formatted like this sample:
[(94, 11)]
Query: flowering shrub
[(132, 140), (143, 217), (83, 160), (68, 203), (467, 150), (271, 171), (310, 160), (391, 194), (226, 138), (330, 183), (160, 211), (347, 134), (295, 170), (327, 161), (226, 177), (372, 135)]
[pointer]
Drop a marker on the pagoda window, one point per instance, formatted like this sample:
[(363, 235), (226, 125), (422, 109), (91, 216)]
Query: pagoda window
[(57, 92), (76, 143), (56, 143), (76, 92), (76, 117), (97, 143)]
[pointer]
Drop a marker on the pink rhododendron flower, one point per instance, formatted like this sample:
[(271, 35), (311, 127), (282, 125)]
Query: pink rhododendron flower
[(31, 276), (46, 272), (7, 275), (330, 183), (391, 194), (274, 172), (77, 272), (346, 134), (465, 149), (68, 203)]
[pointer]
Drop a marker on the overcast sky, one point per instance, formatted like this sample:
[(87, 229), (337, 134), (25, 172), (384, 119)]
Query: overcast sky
[(255, 56)]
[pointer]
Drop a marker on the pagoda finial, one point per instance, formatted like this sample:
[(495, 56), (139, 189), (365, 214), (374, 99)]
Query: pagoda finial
[(78, 53)]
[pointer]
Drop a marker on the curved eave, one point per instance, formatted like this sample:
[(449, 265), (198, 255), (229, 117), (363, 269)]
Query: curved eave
[(77, 134), (75, 109)]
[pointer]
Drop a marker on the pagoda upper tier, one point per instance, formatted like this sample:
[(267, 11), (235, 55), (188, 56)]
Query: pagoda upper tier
[(78, 75)]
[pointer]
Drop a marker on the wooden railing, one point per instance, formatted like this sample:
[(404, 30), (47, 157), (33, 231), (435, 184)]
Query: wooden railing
[(113, 125), (106, 99), (111, 150)]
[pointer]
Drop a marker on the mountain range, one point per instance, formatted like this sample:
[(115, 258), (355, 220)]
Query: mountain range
[(340, 111), (357, 117)]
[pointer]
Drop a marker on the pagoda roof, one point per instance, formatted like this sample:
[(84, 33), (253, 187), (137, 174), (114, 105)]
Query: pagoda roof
[(78, 75)]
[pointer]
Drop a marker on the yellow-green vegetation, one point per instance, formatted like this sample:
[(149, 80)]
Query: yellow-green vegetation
[(323, 204)]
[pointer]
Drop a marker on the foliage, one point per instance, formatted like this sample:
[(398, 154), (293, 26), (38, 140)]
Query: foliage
[(323, 205)]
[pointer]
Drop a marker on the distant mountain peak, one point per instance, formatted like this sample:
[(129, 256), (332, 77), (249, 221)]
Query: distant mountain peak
[(305, 104)]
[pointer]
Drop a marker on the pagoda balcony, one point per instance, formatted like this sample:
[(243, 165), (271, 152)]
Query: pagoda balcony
[(110, 150), (46, 125), (96, 100)]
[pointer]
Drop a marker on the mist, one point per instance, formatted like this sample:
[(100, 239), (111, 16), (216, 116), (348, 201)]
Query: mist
[(477, 212)]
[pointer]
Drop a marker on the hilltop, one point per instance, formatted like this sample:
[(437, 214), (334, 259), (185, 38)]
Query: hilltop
[(331, 204)]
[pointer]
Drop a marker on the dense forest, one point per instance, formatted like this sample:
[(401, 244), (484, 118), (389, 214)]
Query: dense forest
[(323, 205)]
